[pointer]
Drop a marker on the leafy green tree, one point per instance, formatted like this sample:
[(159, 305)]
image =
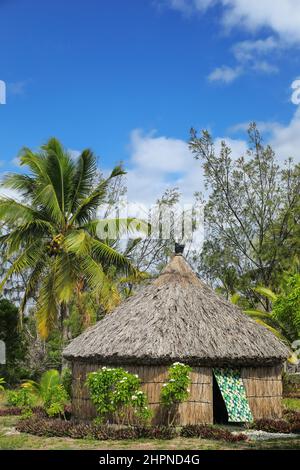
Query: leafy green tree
[(283, 319), (286, 307), (251, 216), (16, 345), (52, 231)]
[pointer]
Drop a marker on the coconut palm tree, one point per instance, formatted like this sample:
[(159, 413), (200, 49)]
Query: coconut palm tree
[(51, 231)]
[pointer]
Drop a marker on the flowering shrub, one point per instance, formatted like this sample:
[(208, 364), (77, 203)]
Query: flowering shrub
[(176, 390), (115, 391)]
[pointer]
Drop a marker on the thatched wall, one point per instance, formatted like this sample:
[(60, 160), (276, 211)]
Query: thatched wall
[(197, 409), (264, 390), (263, 387)]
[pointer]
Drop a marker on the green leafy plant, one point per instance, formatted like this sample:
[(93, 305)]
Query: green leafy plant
[(66, 380), (115, 391), (55, 401), (176, 389), (2, 382), (22, 399), (50, 391)]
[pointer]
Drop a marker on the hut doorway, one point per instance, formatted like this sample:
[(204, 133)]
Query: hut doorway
[(220, 413)]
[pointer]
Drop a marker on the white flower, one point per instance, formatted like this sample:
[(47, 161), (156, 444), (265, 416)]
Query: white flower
[(172, 380), (140, 392), (136, 376), (164, 385), (134, 397), (104, 368), (188, 390)]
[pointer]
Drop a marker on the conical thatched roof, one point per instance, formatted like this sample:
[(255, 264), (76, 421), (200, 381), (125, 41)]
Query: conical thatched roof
[(177, 318)]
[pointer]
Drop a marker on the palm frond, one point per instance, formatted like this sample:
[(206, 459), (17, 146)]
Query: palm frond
[(27, 259), (105, 254), (78, 242), (84, 173), (32, 284), (113, 229), (47, 197), (90, 204), (24, 184), (65, 277), (47, 305), (27, 233), (12, 211), (59, 168), (268, 293), (234, 299)]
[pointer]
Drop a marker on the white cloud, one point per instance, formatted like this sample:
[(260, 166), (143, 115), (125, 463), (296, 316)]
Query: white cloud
[(158, 162), (225, 74), (286, 139), (155, 153), (249, 55), (189, 6), (281, 17), (244, 51)]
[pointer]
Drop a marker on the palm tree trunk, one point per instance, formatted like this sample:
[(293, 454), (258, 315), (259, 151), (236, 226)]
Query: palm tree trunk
[(64, 316)]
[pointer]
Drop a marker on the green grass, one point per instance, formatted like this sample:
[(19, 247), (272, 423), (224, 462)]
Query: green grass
[(292, 403), (27, 441)]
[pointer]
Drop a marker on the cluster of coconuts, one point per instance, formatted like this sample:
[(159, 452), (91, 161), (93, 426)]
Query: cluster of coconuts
[(56, 244)]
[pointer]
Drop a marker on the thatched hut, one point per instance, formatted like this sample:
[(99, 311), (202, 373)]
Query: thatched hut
[(236, 362)]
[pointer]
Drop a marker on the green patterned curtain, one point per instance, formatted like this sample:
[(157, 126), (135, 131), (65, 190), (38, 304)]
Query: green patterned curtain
[(234, 394)]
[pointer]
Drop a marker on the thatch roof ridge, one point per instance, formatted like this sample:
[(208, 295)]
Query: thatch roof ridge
[(177, 317)]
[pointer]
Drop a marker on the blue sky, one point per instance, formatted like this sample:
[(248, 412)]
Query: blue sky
[(128, 78)]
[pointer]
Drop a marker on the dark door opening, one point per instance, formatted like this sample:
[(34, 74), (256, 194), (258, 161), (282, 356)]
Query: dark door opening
[(219, 407)]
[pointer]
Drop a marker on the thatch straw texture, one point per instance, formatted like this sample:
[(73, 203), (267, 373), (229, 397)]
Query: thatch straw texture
[(177, 318), (197, 409), (263, 389)]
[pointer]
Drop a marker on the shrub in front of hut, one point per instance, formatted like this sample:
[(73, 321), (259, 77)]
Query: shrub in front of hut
[(176, 389), (77, 430), (116, 392), (272, 425), (204, 431)]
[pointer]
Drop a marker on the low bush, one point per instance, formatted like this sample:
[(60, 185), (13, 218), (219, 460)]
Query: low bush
[(292, 416), (272, 425), (40, 426), (21, 398), (36, 410), (10, 411), (211, 432)]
